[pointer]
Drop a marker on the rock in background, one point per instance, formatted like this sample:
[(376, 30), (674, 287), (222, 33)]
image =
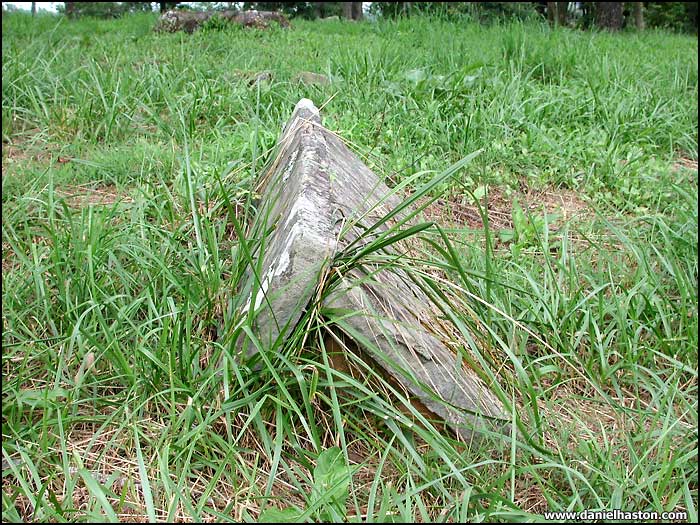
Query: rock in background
[(190, 21)]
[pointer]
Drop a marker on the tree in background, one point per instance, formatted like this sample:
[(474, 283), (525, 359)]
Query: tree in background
[(639, 15), (356, 11), (387, 9), (674, 16), (104, 9), (478, 11), (557, 13), (352, 10), (70, 10), (608, 15), (326, 9), (164, 6), (310, 10)]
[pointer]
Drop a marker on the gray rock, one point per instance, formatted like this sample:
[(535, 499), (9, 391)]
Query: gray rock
[(318, 199), (262, 76), (190, 21), (314, 79), (295, 203)]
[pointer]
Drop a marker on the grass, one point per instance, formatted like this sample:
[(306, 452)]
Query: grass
[(128, 161)]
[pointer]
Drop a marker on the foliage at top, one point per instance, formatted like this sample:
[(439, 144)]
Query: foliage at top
[(674, 16)]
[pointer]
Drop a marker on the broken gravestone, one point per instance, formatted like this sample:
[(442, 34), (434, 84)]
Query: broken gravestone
[(318, 200), (189, 21)]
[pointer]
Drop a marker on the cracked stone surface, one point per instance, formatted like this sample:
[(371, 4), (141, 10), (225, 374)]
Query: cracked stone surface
[(317, 199)]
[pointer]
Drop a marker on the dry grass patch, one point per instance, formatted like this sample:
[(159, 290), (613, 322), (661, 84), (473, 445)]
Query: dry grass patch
[(108, 455), (585, 418), (690, 164), (9, 261), (28, 146), (459, 211), (83, 195)]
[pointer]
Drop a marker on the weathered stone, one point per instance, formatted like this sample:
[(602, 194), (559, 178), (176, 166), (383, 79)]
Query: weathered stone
[(295, 202), (189, 21), (307, 77), (262, 76), (318, 200)]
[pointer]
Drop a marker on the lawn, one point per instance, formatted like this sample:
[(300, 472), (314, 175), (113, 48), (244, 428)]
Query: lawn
[(128, 166)]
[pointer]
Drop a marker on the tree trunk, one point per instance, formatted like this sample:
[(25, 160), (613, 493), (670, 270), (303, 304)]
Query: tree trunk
[(164, 6), (70, 9), (541, 8), (562, 8), (556, 12), (356, 10), (33, 8), (608, 15), (639, 15), (347, 10)]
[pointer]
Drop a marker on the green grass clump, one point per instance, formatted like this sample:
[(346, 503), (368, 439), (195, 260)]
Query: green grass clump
[(128, 161)]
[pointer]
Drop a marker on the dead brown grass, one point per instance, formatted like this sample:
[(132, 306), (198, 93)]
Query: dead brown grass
[(458, 211), (29, 145), (83, 195), (682, 162), (108, 454), (575, 412), (8, 258)]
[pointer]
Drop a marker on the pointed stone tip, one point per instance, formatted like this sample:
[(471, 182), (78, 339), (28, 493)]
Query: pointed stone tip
[(307, 104), (304, 110)]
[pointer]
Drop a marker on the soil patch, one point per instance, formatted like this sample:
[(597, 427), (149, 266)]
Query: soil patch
[(460, 211), (83, 195)]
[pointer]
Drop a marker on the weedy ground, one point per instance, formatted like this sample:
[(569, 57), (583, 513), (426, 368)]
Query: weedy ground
[(571, 241)]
